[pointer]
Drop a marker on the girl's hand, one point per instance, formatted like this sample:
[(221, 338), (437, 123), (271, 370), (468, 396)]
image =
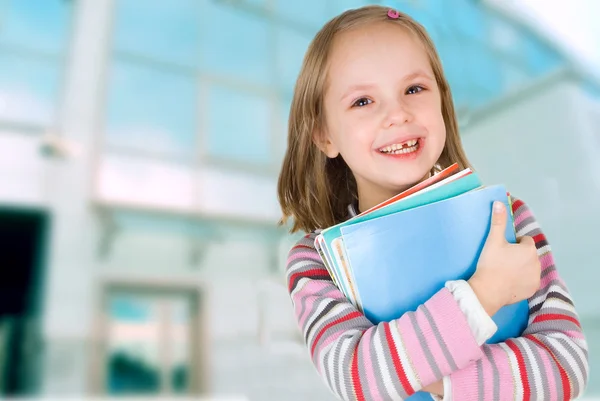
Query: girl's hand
[(506, 273)]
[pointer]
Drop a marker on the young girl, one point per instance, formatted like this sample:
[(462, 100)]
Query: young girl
[(372, 115)]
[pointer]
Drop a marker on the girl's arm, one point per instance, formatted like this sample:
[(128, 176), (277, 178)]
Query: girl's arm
[(388, 361), (550, 360)]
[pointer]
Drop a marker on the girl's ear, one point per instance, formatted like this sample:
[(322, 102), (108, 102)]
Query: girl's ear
[(325, 144)]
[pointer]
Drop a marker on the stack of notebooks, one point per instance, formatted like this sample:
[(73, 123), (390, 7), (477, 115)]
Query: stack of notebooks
[(392, 258)]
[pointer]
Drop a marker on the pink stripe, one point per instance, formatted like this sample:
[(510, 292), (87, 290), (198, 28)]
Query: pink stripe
[(575, 334), (549, 377), (546, 260), (367, 351), (416, 353), (325, 341), (454, 329), (522, 216), (545, 281), (311, 255), (506, 376), (430, 340), (309, 305), (488, 379)]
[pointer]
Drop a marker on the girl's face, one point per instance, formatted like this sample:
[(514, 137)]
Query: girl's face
[(383, 110)]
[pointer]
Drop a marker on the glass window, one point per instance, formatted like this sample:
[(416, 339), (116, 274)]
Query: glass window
[(241, 47), (28, 89), (466, 17), (164, 30), (257, 3), (539, 57), (239, 127), (291, 47), (484, 68), (507, 38), (453, 56), (152, 110), (310, 12), (148, 343), (513, 75), (30, 80), (35, 25), (338, 6)]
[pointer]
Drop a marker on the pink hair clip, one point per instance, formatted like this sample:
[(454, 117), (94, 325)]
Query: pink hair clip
[(393, 14)]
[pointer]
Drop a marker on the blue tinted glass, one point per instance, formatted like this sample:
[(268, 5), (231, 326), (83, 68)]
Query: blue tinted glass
[(38, 25), (539, 57), (291, 47), (28, 89), (460, 95), (513, 75), (466, 17), (259, 3), (165, 30), (310, 12), (236, 43), (436, 28), (452, 54), (151, 110), (129, 309), (239, 126), (480, 97), (338, 6), (437, 8), (505, 36), (483, 68)]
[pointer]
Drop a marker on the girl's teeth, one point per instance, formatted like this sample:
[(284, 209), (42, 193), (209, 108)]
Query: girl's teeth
[(405, 147)]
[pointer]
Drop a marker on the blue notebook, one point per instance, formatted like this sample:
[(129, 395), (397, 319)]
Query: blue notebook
[(401, 260), (429, 195)]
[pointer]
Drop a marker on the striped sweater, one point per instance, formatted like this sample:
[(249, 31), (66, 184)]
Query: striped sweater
[(393, 360)]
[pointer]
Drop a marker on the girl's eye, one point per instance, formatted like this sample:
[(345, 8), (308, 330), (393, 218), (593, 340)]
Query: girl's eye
[(414, 89), (363, 101)]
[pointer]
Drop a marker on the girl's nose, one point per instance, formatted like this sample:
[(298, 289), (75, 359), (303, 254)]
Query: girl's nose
[(397, 114)]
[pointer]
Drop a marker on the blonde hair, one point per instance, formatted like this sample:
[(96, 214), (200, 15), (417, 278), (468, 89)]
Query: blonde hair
[(315, 190)]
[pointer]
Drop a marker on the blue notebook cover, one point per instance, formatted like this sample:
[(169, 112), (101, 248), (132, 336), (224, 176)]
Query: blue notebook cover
[(401, 260), (429, 195)]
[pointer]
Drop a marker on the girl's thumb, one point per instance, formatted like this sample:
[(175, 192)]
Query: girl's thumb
[(498, 225)]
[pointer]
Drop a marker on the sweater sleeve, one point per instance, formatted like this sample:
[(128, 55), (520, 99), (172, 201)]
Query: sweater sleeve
[(550, 360), (388, 361)]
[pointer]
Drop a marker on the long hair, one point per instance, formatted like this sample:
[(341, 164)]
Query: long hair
[(315, 190)]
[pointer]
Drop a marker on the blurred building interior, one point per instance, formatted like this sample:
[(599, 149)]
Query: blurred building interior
[(140, 142)]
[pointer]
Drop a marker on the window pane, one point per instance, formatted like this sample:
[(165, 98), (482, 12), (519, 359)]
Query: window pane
[(467, 17), (148, 343), (152, 110), (452, 54), (257, 3), (338, 6), (540, 59), (235, 43), (240, 126), (165, 30), (309, 12), (133, 365), (483, 68), (37, 25), (291, 47), (28, 89), (505, 37)]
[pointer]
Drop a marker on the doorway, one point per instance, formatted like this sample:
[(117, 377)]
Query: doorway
[(23, 242), (150, 338)]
